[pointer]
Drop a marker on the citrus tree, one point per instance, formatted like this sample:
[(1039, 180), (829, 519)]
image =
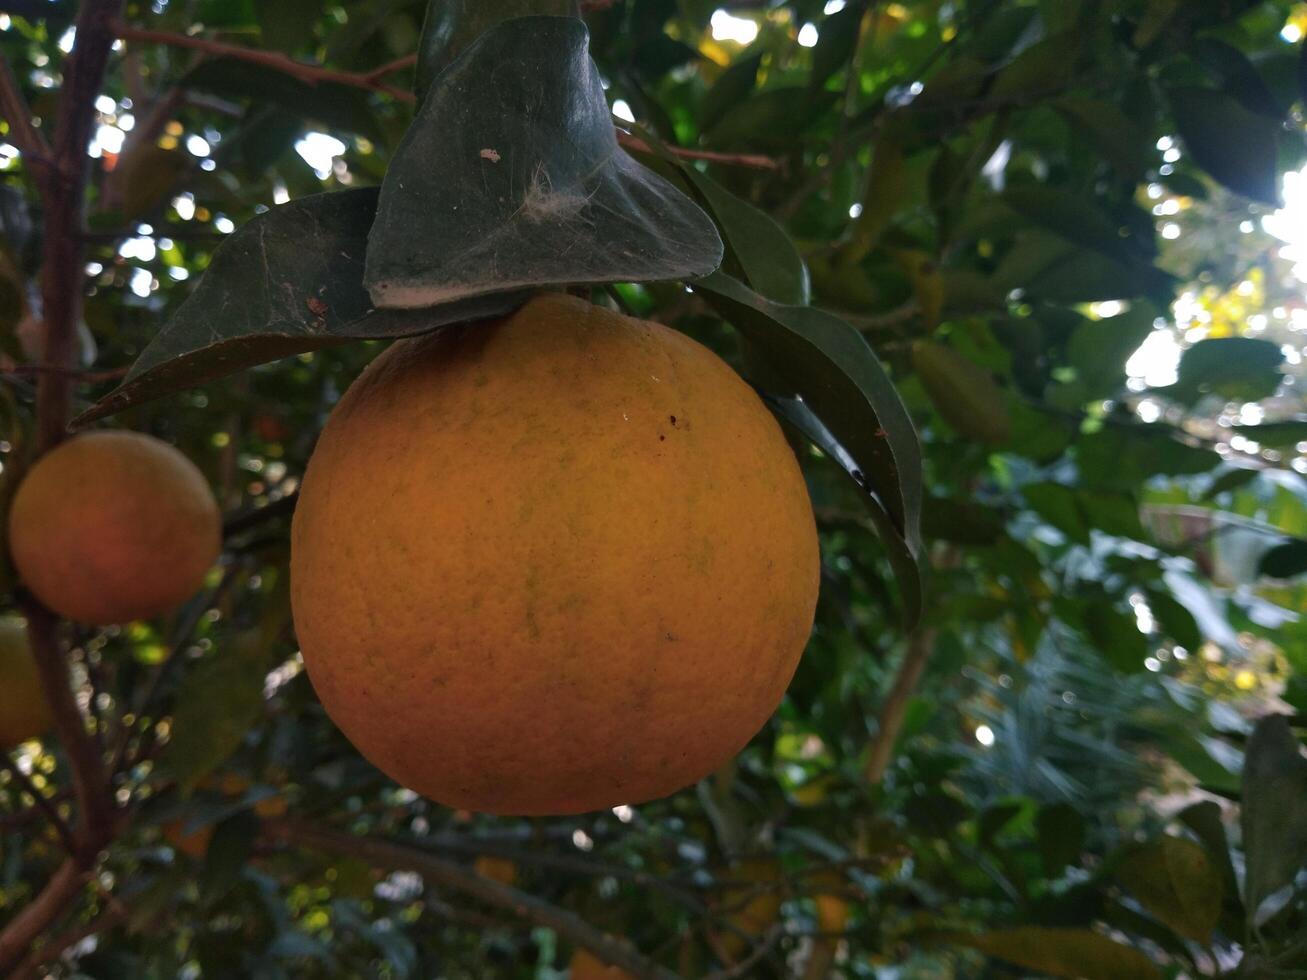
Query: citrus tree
[(463, 687)]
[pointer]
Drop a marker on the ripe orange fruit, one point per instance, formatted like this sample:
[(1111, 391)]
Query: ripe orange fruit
[(552, 564), (586, 966), (114, 526), (497, 869), (24, 711), (195, 844)]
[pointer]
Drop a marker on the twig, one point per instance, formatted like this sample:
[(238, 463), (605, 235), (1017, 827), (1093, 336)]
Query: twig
[(309, 74), (43, 803), (62, 279), (371, 80), (755, 160), (390, 67), (90, 779), (253, 517), (24, 928), (30, 969), (18, 114), (892, 713), (446, 874)]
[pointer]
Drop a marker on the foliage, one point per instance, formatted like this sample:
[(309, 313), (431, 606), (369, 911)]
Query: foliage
[(1014, 277)]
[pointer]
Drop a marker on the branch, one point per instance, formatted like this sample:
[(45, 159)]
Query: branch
[(18, 114), (90, 778), (893, 711), (447, 874), (757, 161), (24, 929), (372, 81), (30, 968), (309, 74), (43, 803)]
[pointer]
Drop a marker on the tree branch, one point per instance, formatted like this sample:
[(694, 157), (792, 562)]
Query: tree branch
[(754, 160), (43, 803), (62, 281), (309, 74), (372, 80), (30, 968), (90, 778), (895, 707), (18, 114), (446, 874), (24, 929)]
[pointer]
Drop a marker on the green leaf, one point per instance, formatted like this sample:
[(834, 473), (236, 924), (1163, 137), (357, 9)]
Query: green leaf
[(1114, 134), (226, 856), (1230, 481), (219, 702), (904, 558), (1234, 145), (265, 296), (830, 367), (886, 188), (287, 24), (1176, 621), (1287, 560), (837, 42), (764, 252), (1058, 506), (1117, 637), (1237, 368), (1156, 17), (771, 119), (1126, 456), (1043, 67), (1275, 434), (1274, 811), (1176, 882), (521, 183), (1237, 76), (452, 25), (960, 521), (1071, 953), (1060, 831), (1099, 349), (732, 88), (1205, 820), (332, 104), (964, 393)]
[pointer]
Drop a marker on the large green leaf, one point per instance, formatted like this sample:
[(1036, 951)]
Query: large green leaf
[(904, 559), (1274, 811), (1237, 368), (764, 253), (266, 295), (1071, 953), (1176, 882), (451, 25), (219, 702), (1234, 145), (1124, 145), (828, 365), (521, 183)]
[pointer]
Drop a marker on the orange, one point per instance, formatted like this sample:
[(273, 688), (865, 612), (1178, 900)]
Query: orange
[(195, 844), (114, 526), (553, 563), (586, 966), (24, 711), (497, 869)]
